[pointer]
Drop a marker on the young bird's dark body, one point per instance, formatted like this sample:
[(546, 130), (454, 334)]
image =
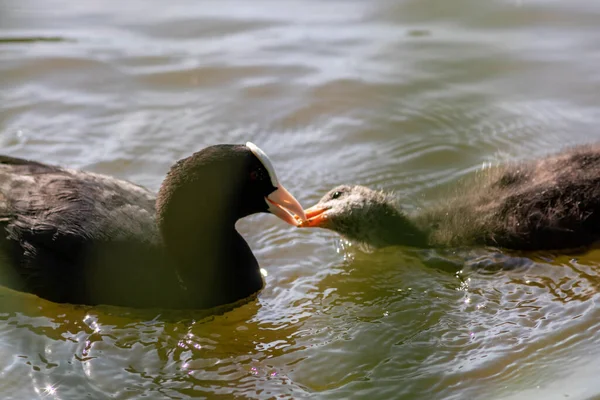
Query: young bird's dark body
[(547, 204)]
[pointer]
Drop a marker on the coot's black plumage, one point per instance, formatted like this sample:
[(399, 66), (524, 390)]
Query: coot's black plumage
[(548, 204), (79, 237)]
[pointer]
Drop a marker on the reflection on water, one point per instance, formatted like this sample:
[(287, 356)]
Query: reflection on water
[(400, 95)]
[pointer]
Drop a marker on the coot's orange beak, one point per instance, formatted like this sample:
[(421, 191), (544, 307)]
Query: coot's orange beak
[(316, 217), (285, 206)]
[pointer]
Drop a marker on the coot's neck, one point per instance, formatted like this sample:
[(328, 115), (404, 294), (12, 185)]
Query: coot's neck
[(214, 263), (196, 215)]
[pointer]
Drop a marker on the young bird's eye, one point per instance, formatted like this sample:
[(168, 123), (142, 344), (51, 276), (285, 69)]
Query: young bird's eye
[(336, 195)]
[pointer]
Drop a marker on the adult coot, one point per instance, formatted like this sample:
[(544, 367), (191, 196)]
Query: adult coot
[(548, 204), (80, 237)]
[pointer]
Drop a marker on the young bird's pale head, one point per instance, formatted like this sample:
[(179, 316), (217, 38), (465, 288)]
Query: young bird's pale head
[(360, 214)]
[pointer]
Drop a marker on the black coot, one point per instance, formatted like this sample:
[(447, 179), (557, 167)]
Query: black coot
[(79, 237)]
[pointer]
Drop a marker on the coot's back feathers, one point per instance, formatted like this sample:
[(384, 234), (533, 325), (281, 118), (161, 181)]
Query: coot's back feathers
[(61, 224)]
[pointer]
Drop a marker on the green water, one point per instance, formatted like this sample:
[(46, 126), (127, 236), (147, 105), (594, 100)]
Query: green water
[(407, 96)]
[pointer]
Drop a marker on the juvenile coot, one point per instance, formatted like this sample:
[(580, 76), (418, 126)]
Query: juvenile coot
[(548, 204), (80, 237)]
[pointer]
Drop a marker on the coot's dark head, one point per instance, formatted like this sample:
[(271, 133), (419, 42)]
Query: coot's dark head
[(218, 185), (262, 188)]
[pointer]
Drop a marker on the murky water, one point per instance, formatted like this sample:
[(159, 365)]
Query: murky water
[(401, 95)]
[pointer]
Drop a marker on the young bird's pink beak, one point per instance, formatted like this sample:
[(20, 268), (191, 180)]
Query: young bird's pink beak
[(316, 217)]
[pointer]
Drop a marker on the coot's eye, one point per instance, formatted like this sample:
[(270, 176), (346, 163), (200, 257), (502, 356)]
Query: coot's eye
[(336, 195), (259, 175)]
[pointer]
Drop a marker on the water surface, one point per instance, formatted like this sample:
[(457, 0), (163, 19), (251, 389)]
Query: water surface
[(405, 95)]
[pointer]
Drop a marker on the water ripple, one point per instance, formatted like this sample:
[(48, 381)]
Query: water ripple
[(405, 96)]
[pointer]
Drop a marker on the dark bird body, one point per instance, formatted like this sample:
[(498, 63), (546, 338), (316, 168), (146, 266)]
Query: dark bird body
[(548, 204), (80, 237)]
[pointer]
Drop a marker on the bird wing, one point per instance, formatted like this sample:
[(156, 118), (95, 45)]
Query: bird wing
[(55, 219)]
